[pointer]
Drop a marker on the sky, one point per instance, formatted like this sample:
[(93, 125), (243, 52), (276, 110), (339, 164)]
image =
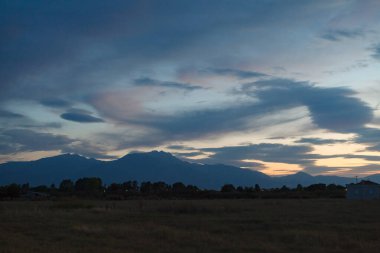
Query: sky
[(273, 86)]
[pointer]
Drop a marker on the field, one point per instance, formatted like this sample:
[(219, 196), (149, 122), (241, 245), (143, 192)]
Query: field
[(190, 226)]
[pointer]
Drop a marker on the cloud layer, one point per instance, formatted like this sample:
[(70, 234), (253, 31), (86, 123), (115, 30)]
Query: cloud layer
[(222, 81)]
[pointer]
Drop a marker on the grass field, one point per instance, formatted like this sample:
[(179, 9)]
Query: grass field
[(190, 226)]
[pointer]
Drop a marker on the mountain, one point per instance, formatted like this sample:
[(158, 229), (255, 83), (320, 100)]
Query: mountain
[(47, 170), (306, 179), (151, 166), (162, 166)]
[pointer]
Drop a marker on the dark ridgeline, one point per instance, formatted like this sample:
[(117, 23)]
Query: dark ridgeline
[(150, 167)]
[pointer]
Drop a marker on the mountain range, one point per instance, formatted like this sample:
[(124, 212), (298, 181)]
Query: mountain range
[(151, 166)]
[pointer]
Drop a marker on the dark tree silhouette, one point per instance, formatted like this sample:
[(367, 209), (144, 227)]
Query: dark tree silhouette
[(66, 186), (257, 188), (228, 188)]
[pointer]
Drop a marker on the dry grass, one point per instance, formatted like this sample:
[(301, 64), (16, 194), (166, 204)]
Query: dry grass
[(190, 226)]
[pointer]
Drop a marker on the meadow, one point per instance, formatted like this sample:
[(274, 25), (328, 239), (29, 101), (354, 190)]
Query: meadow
[(236, 225)]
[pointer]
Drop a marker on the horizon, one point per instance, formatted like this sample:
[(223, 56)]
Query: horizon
[(278, 87), (367, 177)]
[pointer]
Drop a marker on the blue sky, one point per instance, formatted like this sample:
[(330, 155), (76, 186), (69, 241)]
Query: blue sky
[(274, 86)]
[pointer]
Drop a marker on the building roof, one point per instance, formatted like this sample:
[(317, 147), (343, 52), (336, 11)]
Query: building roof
[(365, 182)]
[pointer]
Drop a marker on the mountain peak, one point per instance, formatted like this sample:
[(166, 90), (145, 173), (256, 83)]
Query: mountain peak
[(66, 157), (301, 173), (151, 154)]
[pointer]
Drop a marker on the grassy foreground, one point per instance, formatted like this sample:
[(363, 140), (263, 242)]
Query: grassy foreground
[(190, 226)]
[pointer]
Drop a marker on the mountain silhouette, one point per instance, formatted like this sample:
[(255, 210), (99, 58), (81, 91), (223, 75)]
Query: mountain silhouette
[(151, 166)]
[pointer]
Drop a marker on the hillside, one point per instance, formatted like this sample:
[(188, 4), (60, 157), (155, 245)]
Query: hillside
[(150, 166)]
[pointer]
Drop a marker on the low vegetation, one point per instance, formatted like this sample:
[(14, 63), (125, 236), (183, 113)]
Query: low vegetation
[(218, 225)]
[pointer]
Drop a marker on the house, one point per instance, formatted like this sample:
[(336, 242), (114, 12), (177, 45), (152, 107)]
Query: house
[(30, 195), (363, 190)]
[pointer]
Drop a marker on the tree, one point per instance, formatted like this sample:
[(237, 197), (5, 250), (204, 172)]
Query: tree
[(332, 187), (130, 187), (228, 188), (284, 188), (257, 188), (25, 188), (178, 188), (13, 191), (192, 189), (115, 188), (88, 185), (316, 187), (146, 187), (160, 187), (66, 186), (41, 188)]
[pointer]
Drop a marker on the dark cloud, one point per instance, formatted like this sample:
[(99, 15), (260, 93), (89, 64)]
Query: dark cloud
[(365, 157), (180, 147), (22, 140), (241, 74), (376, 51), (18, 140), (36, 125), (370, 137), (10, 115), (367, 135), (335, 109), (11, 120), (198, 123), (340, 34), (166, 84), (375, 148), (188, 154), (266, 152), (69, 48), (55, 103), (360, 171), (80, 117), (319, 141)]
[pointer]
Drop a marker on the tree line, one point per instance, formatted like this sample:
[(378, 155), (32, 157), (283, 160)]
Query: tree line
[(93, 187)]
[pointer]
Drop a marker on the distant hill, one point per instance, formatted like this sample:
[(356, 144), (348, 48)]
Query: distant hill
[(150, 166)]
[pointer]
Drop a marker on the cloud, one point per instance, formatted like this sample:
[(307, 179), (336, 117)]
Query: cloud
[(80, 117), (365, 157), (17, 140), (367, 135), (376, 51), (180, 147), (88, 149), (340, 34), (319, 141), (334, 109), (241, 74), (23, 140), (188, 154), (360, 171), (75, 48), (267, 152), (375, 148), (155, 83), (10, 115), (11, 120), (55, 103), (40, 126)]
